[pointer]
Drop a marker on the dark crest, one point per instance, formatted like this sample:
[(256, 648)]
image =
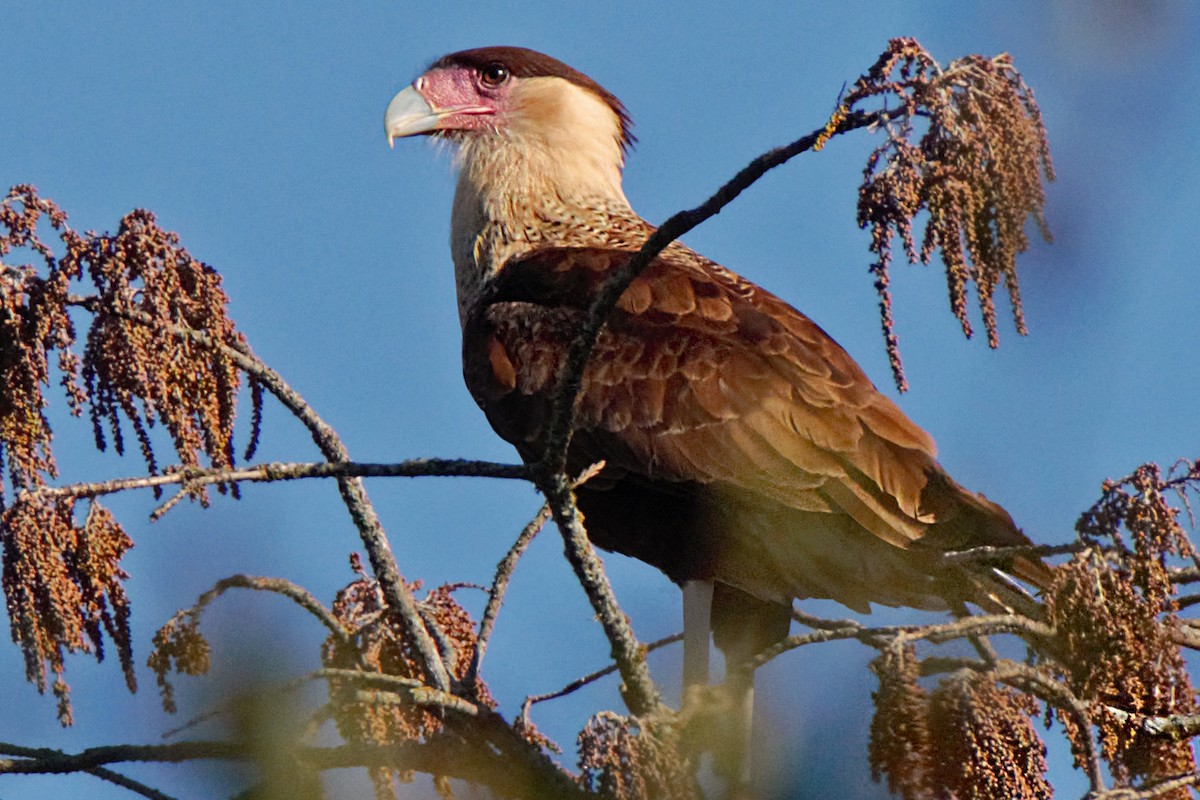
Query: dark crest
[(525, 63)]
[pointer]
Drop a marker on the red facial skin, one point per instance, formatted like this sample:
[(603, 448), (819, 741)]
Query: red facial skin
[(463, 99)]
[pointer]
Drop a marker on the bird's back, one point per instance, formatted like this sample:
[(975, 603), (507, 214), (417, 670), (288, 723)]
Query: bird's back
[(742, 443)]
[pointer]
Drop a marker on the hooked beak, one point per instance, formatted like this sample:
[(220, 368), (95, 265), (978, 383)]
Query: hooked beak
[(410, 113)]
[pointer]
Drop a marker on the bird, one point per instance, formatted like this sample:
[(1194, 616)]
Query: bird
[(746, 454)]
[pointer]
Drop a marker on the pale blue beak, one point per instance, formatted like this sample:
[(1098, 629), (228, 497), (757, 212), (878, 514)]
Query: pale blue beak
[(409, 114)]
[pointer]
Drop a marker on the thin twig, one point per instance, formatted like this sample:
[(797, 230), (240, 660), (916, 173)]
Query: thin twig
[(279, 471), (504, 572), (280, 586), (39, 760), (988, 553), (1175, 727), (890, 635), (1150, 791), (506, 772), (412, 690), (232, 703), (125, 782), (1185, 575), (820, 623), (579, 683)]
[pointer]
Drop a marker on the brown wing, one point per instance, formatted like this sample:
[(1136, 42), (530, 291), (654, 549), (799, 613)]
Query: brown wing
[(705, 382)]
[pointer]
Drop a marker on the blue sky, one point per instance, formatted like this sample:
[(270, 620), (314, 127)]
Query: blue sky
[(254, 130)]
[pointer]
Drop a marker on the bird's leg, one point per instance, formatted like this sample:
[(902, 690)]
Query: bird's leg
[(697, 627), (739, 686), (743, 626), (697, 621)]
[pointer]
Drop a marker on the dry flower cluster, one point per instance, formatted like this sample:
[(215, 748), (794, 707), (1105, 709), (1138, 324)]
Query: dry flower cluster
[(968, 738), (375, 643), (900, 746), (1106, 661), (627, 758), (1116, 611), (62, 581), (976, 169), (152, 353)]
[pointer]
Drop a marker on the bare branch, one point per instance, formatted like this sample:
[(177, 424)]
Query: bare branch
[(280, 586), (398, 595), (1151, 791), (446, 756), (279, 471), (504, 572), (102, 773), (591, 677), (410, 690), (125, 782), (1175, 727), (987, 553), (889, 635), (42, 761), (638, 689)]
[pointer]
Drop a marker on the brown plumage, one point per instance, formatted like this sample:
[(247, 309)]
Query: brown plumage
[(743, 445)]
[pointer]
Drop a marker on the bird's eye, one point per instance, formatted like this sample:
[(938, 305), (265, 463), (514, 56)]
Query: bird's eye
[(494, 74)]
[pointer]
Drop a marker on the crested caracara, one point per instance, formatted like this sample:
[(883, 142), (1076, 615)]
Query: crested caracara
[(744, 449)]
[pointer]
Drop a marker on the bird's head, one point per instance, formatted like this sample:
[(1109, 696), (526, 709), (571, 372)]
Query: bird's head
[(536, 111)]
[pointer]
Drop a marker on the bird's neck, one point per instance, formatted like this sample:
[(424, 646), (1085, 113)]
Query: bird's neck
[(519, 193)]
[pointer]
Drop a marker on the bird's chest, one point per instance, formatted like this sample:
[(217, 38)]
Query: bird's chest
[(480, 244), (512, 356)]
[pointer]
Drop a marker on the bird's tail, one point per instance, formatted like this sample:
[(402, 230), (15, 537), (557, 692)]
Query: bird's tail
[(997, 590)]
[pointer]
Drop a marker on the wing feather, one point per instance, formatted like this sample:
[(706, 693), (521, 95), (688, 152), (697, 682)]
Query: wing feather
[(702, 378)]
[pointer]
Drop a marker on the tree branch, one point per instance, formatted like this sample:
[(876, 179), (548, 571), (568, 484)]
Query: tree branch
[(125, 782), (409, 689), (102, 773), (496, 594), (988, 553), (638, 689), (504, 572), (396, 593), (1176, 727), (592, 677), (280, 471), (1150, 791), (280, 586), (444, 755), (889, 635)]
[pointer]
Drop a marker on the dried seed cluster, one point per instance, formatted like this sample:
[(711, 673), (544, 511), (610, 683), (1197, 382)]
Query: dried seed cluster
[(899, 745), (378, 645), (1115, 611), (158, 349), (976, 169), (968, 739), (1107, 660), (62, 581), (179, 648), (627, 758)]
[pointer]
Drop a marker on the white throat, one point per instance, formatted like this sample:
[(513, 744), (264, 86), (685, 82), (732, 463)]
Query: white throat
[(553, 164)]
